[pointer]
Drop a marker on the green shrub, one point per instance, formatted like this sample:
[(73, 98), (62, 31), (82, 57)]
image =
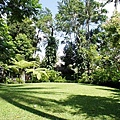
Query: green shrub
[(44, 78), (85, 78), (44, 75), (9, 80), (100, 76), (55, 76), (115, 76), (107, 77), (60, 79), (18, 80)]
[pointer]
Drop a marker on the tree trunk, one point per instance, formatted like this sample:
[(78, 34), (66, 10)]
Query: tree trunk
[(22, 76)]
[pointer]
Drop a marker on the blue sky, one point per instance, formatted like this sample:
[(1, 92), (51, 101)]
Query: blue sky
[(51, 4)]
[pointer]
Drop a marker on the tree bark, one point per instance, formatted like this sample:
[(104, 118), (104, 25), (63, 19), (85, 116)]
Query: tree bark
[(22, 76)]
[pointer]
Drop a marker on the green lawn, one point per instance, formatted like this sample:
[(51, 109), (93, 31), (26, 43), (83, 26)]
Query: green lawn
[(59, 101)]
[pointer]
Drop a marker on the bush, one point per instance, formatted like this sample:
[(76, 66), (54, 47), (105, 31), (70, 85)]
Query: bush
[(107, 77), (44, 78), (55, 76), (48, 76), (100, 77), (13, 80), (60, 79), (36, 80), (18, 80), (85, 78), (9, 80)]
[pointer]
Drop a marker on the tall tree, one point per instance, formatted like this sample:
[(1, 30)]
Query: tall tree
[(95, 15), (45, 22), (112, 38), (75, 19), (70, 17), (23, 37), (23, 46), (50, 54), (46, 26), (70, 20), (6, 45), (107, 71), (18, 16)]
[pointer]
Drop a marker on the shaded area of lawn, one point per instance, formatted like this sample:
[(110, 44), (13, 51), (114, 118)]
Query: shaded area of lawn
[(14, 94), (91, 106), (34, 111), (115, 91)]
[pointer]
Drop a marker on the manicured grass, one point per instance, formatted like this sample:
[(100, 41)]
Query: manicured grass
[(59, 101)]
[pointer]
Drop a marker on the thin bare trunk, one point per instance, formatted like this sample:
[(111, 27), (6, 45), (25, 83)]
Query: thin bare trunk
[(88, 31), (22, 76)]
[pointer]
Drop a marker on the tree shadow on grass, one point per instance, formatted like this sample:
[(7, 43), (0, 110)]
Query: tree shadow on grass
[(113, 90), (93, 106), (34, 111), (24, 100)]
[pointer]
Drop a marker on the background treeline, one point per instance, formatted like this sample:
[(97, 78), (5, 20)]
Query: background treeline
[(91, 40)]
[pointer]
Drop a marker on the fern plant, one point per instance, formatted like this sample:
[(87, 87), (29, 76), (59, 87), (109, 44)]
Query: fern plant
[(39, 73), (20, 67)]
